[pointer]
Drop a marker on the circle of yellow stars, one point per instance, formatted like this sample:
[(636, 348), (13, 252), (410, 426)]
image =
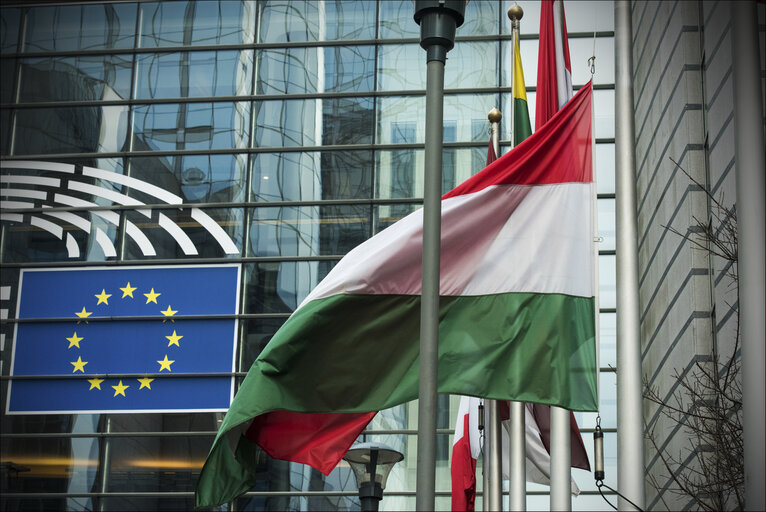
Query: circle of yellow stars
[(103, 298)]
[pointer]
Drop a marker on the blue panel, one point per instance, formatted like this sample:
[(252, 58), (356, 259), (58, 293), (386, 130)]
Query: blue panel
[(147, 332)]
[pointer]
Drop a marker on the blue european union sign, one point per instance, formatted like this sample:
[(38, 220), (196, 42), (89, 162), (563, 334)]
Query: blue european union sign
[(125, 339)]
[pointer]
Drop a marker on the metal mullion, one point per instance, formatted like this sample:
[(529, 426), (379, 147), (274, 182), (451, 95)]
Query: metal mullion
[(189, 261), (86, 435)]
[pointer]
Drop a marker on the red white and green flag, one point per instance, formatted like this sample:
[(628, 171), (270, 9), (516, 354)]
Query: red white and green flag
[(516, 314)]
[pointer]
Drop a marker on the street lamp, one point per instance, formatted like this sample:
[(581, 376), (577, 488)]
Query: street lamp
[(371, 464)]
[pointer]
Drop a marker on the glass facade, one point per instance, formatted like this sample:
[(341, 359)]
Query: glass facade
[(294, 130)]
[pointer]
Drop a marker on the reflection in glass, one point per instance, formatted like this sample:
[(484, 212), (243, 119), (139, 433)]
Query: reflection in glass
[(9, 29), (308, 231), (194, 178), (472, 64), (604, 164), (278, 287), (285, 123), (82, 78), (330, 69), (80, 27), (196, 23), (194, 74), (190, 126), (70, 130), (308, 176), (308, 20), (608, 339), (257, 333), (400, 66)]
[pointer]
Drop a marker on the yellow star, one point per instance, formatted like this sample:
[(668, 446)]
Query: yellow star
[(168, 312), (102, 297), (165, 364), (95, 383), (74, 341), (151, 296), (145, 383), (174, 339), (79, 365), (83, 314), (128, 291), (119, 389)]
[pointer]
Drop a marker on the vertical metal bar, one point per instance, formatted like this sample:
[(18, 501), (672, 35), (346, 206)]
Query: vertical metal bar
[(630, 435), (518, 458), (750, 165), (561, 460), (106, 461), (429, 310), (493, 446), (517, 452)]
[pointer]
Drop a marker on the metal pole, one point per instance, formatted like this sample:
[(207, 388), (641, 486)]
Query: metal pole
[(517, 452), (518, 458), (630, 434), (429, 309), (750, 165), (561, 460), (438, 20), (493, 446)]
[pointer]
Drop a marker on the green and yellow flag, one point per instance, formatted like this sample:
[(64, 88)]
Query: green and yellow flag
[(522, 128)]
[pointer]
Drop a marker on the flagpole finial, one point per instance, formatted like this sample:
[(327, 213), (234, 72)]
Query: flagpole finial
[(494, 116), (515, 12)]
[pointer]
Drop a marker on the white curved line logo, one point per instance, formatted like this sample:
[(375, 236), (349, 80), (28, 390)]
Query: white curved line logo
[(14, 189)]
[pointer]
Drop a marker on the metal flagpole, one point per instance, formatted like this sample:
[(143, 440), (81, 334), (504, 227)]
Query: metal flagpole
[(438, 21), (749, 158), (493, 446), (517, 449), (630, 434)]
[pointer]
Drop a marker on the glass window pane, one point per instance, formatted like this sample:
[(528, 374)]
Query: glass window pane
[(194, 74), (80, 27), (401, 120), (607, 281), (396, 20), (472, 64), (467, 112), (9, 29), (581, 49), (386, 215), (307, 20), (259, 294), (607, 399), (82, 78), (308, 231), (70, 130), (187, 233), (608, 339), (606, 227), (191, 126), (279, 287), (401, 66), (331, 69), (285, 123), (197, 23), (156, 464), (193, 178), (605, 168), (162, 422), (312, 176), (399, 174), (7, 80)]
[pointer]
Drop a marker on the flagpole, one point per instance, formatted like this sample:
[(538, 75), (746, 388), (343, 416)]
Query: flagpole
[(630, 433), (493, 449), (438, 20), (748, 154), (517, 449)]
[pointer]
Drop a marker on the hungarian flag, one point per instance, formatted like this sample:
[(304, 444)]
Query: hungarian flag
[(467, 445), (516, 318), (554, 89)]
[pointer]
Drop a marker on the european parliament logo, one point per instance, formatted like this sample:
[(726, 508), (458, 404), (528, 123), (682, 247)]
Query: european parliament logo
[(125, 339)]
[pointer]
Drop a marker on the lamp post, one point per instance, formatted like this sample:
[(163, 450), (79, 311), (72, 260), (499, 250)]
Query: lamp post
[(371, 464), (438, 20)]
